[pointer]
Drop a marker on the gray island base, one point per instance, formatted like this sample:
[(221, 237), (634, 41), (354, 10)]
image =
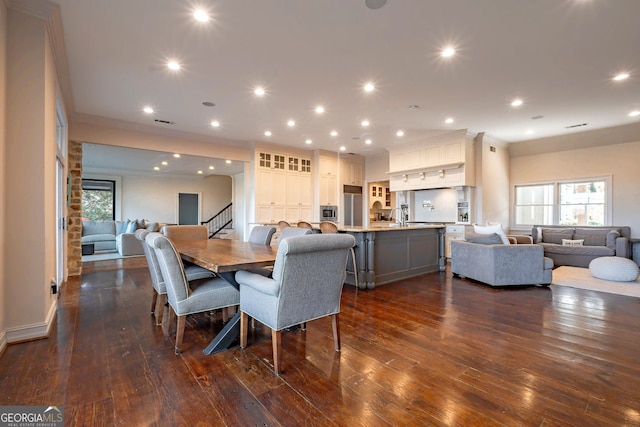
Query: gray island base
[(388, 254)]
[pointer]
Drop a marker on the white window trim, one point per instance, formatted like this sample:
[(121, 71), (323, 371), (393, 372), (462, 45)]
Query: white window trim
[(608, 214)]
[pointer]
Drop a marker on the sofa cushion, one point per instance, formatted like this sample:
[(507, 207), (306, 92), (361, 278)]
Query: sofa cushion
[(550, 248), (93, 238), (555, 235), (483, 239), (98, 227)]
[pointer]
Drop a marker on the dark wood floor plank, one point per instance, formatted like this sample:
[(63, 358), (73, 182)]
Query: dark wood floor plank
[(431, 350)]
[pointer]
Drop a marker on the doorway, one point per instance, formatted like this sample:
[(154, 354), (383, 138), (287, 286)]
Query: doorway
[(188, 208)]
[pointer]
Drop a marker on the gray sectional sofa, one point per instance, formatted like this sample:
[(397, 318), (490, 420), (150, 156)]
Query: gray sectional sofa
[(108, 236), (496, 264), (590, 243)]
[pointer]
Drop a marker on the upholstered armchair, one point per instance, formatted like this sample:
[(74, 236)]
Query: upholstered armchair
[(188, 297), (308, 275), (159, 299)]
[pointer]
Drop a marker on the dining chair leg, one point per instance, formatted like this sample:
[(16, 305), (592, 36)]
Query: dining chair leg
[(160, 309), (225, 315), (303, 326), (153, 302), (336, 331), (276, 338), (167, 321), (244, 328), (180, 332)]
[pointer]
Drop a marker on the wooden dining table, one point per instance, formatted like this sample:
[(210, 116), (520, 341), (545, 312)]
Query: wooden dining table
[(225, 257)]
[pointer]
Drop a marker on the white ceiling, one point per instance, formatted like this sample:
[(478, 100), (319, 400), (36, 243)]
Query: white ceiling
[(557, 55)]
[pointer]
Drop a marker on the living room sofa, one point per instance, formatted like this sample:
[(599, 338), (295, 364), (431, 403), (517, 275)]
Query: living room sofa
[(108, 236), (486, 259), (582, 244)]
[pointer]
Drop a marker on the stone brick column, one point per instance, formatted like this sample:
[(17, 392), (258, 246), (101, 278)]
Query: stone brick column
[(74, 235)]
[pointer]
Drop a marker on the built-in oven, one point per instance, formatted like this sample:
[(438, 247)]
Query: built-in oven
[(329, 213)]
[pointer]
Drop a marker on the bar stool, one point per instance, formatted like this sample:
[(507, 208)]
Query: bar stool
[(328, 227), (283, 224), (304, 224)]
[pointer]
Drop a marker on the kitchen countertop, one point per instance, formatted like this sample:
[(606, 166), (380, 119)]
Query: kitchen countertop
[(389, 226)]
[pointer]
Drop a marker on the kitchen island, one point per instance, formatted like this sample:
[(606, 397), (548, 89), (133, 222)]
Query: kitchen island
[(390, 252)]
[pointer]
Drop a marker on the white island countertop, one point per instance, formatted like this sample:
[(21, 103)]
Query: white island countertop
[(389, 226)]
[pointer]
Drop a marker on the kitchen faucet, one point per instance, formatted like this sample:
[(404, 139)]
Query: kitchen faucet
[(402, 219)]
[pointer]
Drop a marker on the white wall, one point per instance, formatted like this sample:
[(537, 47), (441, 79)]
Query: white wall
[(156, 198), (30, 142), (619, 160), (491, 195), (3, 178)]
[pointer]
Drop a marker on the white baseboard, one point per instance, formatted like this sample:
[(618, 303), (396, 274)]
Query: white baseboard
[(33, 331)]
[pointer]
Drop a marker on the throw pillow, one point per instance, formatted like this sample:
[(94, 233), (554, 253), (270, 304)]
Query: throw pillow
[(125, 225), (132, 227), (153, 226), (490, 230), (483, 239), (567, 242)]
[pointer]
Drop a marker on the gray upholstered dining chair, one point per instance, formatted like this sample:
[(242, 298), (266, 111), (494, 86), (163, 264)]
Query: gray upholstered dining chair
[(185, 232), (159, 298), (188, 297), (261, 234), (307, 281)]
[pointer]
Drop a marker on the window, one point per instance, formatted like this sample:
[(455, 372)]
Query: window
[(98, 199), (583, 202)]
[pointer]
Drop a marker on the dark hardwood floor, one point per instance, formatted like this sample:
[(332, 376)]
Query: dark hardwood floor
[(431, 350)]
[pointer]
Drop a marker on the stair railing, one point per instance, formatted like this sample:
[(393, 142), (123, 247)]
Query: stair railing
[(219, 221)]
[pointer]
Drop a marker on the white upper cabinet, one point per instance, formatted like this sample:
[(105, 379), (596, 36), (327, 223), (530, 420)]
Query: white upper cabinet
[(439, 162), (351, 172)]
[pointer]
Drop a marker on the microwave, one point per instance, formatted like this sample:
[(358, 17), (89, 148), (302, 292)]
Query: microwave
[(328, 213)]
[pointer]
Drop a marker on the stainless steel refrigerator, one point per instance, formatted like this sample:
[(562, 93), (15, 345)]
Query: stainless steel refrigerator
[(352, 208)]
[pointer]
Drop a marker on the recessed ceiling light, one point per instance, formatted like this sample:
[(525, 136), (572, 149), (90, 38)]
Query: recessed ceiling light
[(291, 123), (200, 172), (334, 133), (215, 124), (365, 123), (516, 102), (267, 133), (308, 141), (449, 120), (635, 113), (529, 132), (173, 65), (368, 141), (165, 163), (176, 155), (201, 15), (148, 110), (369, 87), (621, 76), (211, 168), (156, 168), (448, 52), (259, 91), (319, 109), (228, 162), (400, 133), (343, 148), (208, 104)]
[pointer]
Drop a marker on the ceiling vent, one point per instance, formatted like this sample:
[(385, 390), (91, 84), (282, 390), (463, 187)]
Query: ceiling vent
[(166, 122), (575, 126)]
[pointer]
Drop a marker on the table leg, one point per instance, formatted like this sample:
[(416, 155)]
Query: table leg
[(231, 331)]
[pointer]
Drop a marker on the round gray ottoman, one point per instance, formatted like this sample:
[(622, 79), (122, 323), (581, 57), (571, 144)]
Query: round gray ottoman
[(614, 268)]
